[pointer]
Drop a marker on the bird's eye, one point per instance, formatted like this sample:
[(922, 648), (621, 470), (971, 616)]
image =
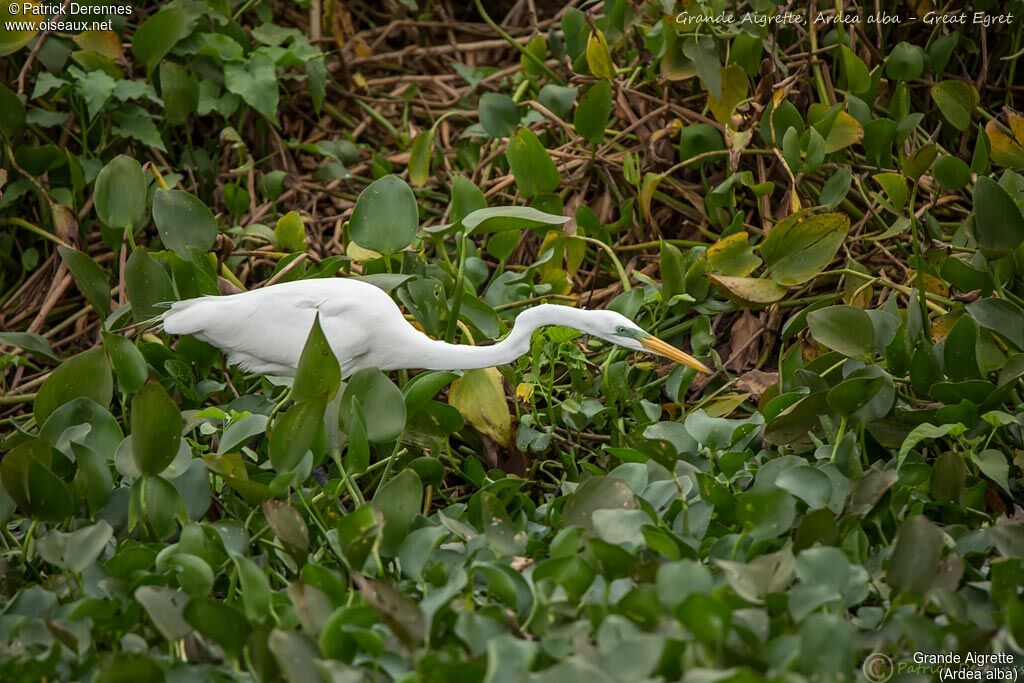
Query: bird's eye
[(620, 329)]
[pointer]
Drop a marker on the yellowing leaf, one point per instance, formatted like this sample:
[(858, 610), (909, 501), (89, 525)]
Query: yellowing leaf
[(733, 256), (599, 58), (1006, 151), (480, 397), (105, 43), (749, 291), (734, 91), (845, 131)]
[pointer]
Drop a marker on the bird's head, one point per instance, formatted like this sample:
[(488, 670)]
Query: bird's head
[(621, 331)]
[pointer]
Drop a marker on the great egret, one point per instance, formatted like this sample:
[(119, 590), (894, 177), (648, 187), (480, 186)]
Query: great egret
[(264, 330)]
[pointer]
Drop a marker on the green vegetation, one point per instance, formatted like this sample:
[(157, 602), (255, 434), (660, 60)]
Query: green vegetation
[(830, 214)]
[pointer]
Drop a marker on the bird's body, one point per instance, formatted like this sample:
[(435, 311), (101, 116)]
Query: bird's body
[(264, 330)]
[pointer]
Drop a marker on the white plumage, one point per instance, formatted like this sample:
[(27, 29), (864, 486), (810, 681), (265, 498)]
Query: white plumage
[(264, 330)]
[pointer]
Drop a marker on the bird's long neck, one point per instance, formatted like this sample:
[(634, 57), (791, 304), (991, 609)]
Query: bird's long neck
[(439, 355)]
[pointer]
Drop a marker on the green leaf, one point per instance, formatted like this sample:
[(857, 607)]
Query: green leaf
[(500, 218), (951, 172), (592, 112), (807, 483), (358, 531), (957, 101), (165, 608), (420, 156), (533, 169), (998, 225), (255, 589), (85, 375), (734, 87), (120, 195), (156, 429), (77, 550), (290, 232), (845, 329), (294, 431), (319, 373), (12, 111), (993, 465), (802, 245), (499, 114), (836, 188), (91, 279), (158, 34), (381, 401), (179, 90), (466, 198), (33, 343), (704, 55), (858, 78), (128, 362), (766, 514), (295, 655), (749, 291), (183, 221), (905, 62), (596, 493), (219, 622), (915, 557), (479, 396), (255, 81), (599, 57), (896, 192), (399, 500), (289, 527), (147, 284), (385, 217)]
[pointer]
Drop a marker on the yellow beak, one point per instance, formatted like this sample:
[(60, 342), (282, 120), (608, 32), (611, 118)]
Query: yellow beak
[(665, 349)]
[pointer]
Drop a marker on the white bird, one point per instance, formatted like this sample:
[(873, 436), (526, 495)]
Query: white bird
[(264, 330)]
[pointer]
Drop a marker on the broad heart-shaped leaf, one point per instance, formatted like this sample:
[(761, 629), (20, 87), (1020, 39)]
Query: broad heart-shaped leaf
[(956, 100), (219, 622), (381, 401), (183, 221), (593, 111), (749, 291), (801, 245), (294, 431), (129, 363), (77, 550), (158, 34), (479, 395), (499, 114), (289, 527), (156, 429), (998, 225), (87, 374), (766, 514), (845, 329), (385, 217), (807, 483), (499, 218), (148, 285), (255, 81), (89, 277), (533, 169), (319, 373), (914, 562), (399, 500)]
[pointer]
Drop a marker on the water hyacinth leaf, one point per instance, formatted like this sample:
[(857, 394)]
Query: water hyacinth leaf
[(290, 231), (734, 86), (534, 171), (158, 34), (319, 373), (802, 245), (998, 224), (593, 111), (294, 431), (120, 193), (378, 397), (858, 78), (179, 90), (32, 343), (766, 514), (219, 622), (77, 550), (479, 396), (183, 221), (915, 557), (148, 285), (255, 81), (957, 101), (845, 329), (748, 291), (599, 57), (499, 114), (398, 501), (165, 608), (128, 362), (733, 256), (807, 483), (385, 217), (255, 588), (156, 429), (358, 531), (951, 172), (89, 277), (289, 527), (85, 375)]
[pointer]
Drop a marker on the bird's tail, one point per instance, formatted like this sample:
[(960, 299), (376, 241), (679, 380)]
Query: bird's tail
[(183, 317)]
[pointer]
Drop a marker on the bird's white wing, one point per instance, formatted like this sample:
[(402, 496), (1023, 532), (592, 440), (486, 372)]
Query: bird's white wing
[(263, 330)]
